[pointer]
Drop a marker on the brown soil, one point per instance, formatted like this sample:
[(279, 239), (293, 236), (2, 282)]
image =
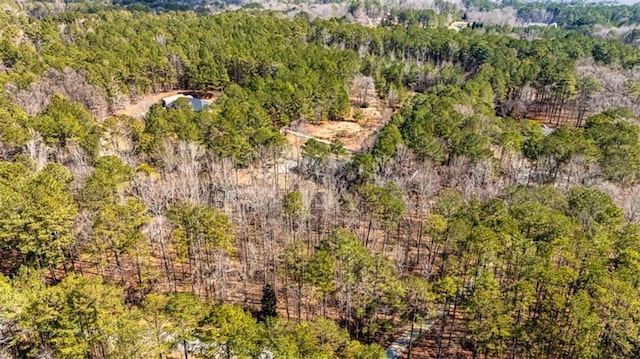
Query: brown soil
[(280, 172), (334, 129), (141, 107), (543, 115), (351, 134)]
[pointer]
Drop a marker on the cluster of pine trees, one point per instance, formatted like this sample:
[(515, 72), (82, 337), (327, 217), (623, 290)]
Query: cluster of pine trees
[(85, 318)]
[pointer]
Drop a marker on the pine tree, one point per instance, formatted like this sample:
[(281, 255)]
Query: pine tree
[(269, 303)]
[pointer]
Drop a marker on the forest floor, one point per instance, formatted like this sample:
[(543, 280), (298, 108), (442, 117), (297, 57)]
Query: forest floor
[(140, 108), (246, 289), (544, 115), (451, 340)]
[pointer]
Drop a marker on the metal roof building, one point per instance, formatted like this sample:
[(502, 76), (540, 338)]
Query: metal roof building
[(196, 103)]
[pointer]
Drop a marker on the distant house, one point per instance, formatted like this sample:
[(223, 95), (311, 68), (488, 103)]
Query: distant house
[(196, 103), (168, 101), (541, 24)]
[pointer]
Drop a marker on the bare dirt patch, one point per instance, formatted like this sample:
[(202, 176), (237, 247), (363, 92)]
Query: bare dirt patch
[(368, 114), (140, 108), (335, 129), (351, 134)]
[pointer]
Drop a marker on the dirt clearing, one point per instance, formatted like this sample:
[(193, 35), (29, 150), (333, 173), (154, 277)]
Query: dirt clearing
[(140, 108), (357, 129)]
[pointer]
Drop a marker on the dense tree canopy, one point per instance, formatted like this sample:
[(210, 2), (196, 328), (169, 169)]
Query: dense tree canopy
[(213, 233)]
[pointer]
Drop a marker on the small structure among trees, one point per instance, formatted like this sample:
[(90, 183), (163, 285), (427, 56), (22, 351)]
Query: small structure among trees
[(196, 103)]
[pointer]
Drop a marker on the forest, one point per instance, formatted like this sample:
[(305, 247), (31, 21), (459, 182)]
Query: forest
[(496, 204)]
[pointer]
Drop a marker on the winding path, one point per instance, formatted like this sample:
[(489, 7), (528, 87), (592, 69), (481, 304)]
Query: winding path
[(397, 349)]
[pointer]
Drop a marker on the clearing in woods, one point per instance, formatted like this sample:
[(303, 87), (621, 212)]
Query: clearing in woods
[(140, 108), (356, 131), (355, 134)]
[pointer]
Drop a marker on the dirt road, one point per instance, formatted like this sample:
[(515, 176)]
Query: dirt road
[(140, 108), (398, 348)]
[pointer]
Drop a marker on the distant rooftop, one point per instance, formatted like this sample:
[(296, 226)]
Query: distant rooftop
[(541, 24), (168, 101), (196, 103)]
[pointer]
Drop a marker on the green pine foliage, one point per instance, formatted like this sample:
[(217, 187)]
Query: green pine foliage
[(457, 207)]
